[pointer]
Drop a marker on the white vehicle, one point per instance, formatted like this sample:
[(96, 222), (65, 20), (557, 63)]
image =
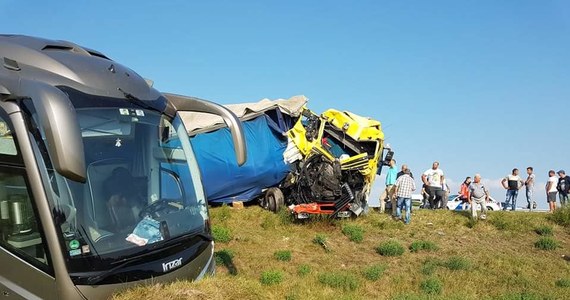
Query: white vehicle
[(454, 203)]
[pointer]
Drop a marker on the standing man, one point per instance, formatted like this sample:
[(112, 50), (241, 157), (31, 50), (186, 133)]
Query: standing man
[(563, 188), (512, 183), (478, 195), (551, 190), (389, 191), (404, 187), (529, 184), (433, 179), (404, 168)]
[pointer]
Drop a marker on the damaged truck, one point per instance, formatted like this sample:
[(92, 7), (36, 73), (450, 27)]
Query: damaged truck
[(312, 164)]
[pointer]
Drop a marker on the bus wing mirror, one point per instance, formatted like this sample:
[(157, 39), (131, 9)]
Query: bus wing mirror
[(61, 128), (191, 104)]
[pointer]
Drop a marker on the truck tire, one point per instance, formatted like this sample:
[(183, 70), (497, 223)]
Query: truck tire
[(274, 199)]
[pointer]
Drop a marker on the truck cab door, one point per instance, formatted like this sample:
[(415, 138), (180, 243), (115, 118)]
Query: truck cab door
[(25, 271)]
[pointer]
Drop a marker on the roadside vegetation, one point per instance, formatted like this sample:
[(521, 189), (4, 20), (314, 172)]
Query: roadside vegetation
[(261, 255)]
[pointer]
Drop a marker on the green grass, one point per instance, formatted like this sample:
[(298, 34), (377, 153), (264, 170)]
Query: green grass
[(429, 266), (346, 282), (354, 232), (374, 272), (224, 213), (432, 286), (271, 277), (544, 230), (390, 248), (547, 243), (561, 216), (563, 283), (282, 255), (221, 234), (303, 270), (504, 259), (456, 263), (423, 245), (321, 240)]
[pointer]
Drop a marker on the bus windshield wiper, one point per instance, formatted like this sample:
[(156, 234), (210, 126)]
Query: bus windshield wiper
[(133, 99)]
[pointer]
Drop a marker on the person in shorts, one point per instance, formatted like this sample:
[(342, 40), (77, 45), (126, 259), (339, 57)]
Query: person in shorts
[(551, 190)]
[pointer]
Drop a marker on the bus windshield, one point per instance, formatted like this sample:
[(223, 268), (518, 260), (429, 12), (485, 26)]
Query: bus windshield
[(142, 188)]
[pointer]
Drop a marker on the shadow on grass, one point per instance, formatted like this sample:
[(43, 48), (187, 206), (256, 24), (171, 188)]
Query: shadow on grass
[(225, 257)]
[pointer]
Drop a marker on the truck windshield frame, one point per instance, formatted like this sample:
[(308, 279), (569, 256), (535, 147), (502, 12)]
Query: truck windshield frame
[(143, 191)]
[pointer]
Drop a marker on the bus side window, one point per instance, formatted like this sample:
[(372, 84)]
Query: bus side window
[(19, 226), (7, 145)]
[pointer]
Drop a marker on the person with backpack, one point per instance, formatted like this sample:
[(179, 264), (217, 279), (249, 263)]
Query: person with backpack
[(563, 187), (464, 192)]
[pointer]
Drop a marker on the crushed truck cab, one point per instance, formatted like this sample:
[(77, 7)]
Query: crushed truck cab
[(340, 157)]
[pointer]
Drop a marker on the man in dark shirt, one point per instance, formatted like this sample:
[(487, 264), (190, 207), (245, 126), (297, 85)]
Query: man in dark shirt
[(563, 187), (404, 168)]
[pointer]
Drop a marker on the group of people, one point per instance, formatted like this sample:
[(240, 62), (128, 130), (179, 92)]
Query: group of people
[(400, 186), (556, 185)]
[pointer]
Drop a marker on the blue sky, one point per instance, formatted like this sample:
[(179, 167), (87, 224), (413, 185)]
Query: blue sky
[(481, 86)]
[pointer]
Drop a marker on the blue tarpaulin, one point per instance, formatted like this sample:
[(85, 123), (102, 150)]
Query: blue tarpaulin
[(224, 181)]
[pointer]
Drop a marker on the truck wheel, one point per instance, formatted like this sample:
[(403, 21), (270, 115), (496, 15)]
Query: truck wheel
[(274, 199), (489, 208)]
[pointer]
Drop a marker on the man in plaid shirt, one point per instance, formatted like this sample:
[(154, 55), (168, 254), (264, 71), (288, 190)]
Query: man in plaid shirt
[(404, 187)]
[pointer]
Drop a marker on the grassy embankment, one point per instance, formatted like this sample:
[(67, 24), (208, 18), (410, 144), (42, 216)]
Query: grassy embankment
[(441, 255)]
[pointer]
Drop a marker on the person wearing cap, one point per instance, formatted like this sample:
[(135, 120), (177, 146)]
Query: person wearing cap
[(563, 187), (551, 190)]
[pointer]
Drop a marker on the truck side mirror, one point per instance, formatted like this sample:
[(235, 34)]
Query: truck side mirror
[(191, 104), (388, 157), (61, 128)]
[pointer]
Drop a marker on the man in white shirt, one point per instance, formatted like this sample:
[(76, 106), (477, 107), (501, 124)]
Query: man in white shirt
[(512, 183), (433, 179), (551, 190)]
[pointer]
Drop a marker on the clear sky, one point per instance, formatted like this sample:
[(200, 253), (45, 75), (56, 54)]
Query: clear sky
[(481, 86)]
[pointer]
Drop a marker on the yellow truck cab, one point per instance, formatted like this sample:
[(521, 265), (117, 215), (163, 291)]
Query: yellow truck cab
[(341, 157)]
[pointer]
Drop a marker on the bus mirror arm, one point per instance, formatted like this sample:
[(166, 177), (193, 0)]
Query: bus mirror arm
[(191, 104)]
